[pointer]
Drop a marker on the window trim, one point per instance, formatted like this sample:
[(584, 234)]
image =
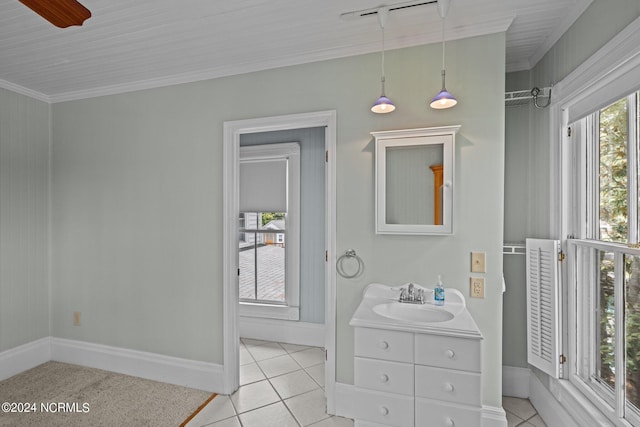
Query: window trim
[(614, 70), (291, 309)]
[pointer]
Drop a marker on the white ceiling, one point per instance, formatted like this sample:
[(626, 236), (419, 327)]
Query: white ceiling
[(133, 44)]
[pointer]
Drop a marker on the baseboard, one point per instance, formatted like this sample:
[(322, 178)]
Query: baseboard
[(172, 370), (515, 382), (563, 405), (493, 416), (553, 413), (287, 331), (24, 357), (344, 398)]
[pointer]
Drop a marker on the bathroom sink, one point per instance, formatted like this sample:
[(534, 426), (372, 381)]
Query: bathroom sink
[(412, 312)]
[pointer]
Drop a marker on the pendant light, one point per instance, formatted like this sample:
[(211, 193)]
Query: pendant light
[(444, 99), (383, 104)]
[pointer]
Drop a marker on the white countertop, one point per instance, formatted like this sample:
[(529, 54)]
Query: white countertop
[(461, 325)]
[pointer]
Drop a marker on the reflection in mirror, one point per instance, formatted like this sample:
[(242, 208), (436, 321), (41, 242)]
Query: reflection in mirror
[(410, 182), (414, 180)]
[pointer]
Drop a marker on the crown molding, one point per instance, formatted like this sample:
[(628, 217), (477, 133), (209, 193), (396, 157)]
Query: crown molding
[(24, 91)]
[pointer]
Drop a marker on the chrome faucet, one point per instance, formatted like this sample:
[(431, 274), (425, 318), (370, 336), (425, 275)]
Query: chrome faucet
[(411, 295)]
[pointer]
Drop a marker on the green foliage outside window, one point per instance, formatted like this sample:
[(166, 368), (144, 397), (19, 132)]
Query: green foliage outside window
[(267, 217), (614, 227)]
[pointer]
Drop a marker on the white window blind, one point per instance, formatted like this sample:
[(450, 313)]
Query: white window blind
[(263, 185), (543, 295)]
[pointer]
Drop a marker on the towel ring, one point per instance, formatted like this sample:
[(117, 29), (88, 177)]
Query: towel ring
[(349, 254)]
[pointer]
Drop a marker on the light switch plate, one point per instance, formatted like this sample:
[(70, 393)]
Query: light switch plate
[(478, 262)]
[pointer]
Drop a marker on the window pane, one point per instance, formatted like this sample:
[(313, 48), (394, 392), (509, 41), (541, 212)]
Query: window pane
[(632, 326), (613, 172), (605, 335), (271, 272), (247, 260), (262, 251)]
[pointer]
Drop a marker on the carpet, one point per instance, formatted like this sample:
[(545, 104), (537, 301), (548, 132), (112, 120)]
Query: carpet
[(58, 394)]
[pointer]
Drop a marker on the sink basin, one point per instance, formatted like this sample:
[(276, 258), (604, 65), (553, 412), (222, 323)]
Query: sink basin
[(412, 312)]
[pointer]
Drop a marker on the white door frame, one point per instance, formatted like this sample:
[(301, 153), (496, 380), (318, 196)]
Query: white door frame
[(230, 182)]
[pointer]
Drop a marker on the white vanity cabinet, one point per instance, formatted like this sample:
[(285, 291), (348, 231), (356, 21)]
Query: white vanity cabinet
[(448, 381), (423, 375), (407, 379)]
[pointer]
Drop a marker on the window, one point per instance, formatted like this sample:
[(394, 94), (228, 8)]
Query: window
[(262, 257), (606, 258), (268, 231)]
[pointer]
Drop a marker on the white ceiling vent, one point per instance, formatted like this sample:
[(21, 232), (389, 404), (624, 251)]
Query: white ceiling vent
[(357, 14)]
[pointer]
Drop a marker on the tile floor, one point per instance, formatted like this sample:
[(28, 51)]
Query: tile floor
[(521, 413), (282, 385)]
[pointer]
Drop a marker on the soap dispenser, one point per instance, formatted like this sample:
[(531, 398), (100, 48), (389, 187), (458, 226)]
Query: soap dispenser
[(438, 292)]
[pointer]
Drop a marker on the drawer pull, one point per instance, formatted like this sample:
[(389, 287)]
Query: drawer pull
[(450, 422), (449, 387), (384, 411), (450, 354), (384, 378), (383, 345)]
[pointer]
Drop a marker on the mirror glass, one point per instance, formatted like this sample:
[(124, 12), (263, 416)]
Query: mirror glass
[(410, 184), (414, 181)]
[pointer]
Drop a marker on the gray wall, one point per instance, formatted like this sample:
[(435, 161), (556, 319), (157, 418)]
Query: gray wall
[(312, 208), (527, 152), (24, 220), (137, 194)]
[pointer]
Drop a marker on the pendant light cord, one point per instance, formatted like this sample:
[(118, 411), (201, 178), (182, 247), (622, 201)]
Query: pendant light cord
[(443, 43), (382, 65)]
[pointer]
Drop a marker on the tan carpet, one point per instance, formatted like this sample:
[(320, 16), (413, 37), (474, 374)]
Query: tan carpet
[(79, 396)]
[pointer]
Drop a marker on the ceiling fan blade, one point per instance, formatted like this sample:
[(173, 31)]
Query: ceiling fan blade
[(61, 13)]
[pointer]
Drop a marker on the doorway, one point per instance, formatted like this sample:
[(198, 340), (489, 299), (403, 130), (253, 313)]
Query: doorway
[(233, 130)]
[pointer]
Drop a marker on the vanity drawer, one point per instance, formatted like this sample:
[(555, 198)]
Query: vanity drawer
[(392, 377), (431, 413), (383, 344), (448, 352), (383, 408), (446, 384)]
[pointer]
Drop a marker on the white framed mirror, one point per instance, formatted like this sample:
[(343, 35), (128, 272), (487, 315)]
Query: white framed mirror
[(414, 180)]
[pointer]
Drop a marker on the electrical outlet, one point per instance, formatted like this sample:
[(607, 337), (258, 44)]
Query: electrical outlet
[(477, 287), (76, 318), (478, 262)]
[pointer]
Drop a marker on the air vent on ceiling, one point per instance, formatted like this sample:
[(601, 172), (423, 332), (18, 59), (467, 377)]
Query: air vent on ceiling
[(356, 14)]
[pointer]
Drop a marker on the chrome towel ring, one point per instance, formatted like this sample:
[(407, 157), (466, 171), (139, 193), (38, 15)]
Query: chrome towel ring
[(349, 254)]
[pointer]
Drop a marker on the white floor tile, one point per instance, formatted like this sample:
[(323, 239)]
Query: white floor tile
[(218, 409), (245, 356), (273, 415), (512, 420), (250, 373), (252, 396), (308, 408), (537, 421), (522, 408), (317, 373), (293, 383), (278, 365), (334, 422), (266, 351), (249, 342), (292, 348), (229, 422), (310, 357)]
